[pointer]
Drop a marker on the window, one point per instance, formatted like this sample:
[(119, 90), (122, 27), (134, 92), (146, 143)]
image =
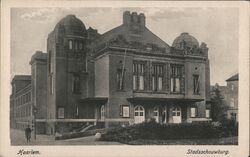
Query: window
[(139, 111), (75, 83), (50, 62), (232, 87), (176, 111), (176, 76), (156, 111), (80, 46), (120, 78), (233, 116), (196, 82), (77, 111), (193, 112), (61, 112), (232, 102), (51, 84), (70, 44), (76, 45), (138, 76), (207, 113), (157, 77), (102, 112)]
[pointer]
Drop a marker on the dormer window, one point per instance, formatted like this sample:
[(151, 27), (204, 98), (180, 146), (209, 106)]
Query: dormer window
[(70, 44)]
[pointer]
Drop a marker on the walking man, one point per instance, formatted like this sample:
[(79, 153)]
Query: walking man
[(28, 133)]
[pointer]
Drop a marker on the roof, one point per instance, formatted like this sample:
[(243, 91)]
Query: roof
[(22, 77), (186, 39), (132, 32), (39, 55), (234, 78), (71, 25)]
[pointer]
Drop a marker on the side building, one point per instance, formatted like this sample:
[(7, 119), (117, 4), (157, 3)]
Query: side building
[(229, 95), (28, 101)]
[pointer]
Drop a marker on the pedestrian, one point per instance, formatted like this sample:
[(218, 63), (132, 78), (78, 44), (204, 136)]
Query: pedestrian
[(28, 133)]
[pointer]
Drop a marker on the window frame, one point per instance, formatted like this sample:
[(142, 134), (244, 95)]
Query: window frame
[(70, 44), (139, 75), (76, 83), (207, 113), (60, 113), (196, 79), (119, 77), (157, 73), (176, 73)]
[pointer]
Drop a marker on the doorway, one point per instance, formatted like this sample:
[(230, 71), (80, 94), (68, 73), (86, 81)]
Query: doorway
[(176, 115), (139, 114)]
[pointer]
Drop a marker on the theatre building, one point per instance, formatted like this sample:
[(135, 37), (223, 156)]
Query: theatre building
[(125, 76)]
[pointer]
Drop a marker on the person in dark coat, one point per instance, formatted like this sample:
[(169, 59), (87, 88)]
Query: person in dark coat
[(28, 133)]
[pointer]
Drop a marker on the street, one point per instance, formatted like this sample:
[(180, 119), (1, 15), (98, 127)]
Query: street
[(18, 138)]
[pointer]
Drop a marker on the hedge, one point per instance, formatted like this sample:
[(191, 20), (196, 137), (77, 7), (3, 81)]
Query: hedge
[(152, 130)]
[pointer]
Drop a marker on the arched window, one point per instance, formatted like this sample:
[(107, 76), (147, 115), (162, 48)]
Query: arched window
[(102, 112), (70, 44), (177, 111)]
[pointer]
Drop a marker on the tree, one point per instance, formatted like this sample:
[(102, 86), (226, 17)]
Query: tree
[(218, 105)]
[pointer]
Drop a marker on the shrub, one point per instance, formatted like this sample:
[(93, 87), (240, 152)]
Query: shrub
[(152, 130)]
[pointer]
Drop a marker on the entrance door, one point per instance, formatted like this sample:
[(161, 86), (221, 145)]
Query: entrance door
[(156, 114), (177, 115), (139, 114), (164, 115)]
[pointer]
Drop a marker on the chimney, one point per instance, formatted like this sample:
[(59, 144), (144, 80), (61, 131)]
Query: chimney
[(126, 18), (142, 20), (134, 17)]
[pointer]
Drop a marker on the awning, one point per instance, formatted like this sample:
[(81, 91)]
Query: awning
[(101, 100), (162, 100)]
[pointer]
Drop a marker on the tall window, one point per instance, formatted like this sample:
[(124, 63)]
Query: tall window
[(196, 79), (102, 112), (50, 62), (138, 76), (231, 102), (157, 77), (70, 44), (80, 46), (120, 78), (76, 45), (60, 113), (176, 76), (51, 81), (207, 113), (75, 83)]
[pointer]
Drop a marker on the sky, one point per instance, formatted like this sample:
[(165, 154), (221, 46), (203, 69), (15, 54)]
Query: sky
[(217, 27)]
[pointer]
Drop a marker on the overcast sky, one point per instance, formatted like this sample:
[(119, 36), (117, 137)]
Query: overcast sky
[(217, 27)]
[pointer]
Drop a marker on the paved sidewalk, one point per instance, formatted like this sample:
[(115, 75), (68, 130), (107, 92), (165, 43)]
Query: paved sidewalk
[(18, 138)]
